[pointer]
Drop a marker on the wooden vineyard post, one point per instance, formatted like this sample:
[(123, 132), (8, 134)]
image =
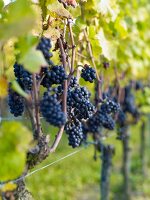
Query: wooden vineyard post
[(106, 157), (126, 163), (142, 147)]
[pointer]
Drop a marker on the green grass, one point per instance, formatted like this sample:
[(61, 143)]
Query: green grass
[(77, 177)]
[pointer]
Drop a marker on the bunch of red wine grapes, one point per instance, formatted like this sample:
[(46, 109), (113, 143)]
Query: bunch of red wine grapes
[(82, 115), (128, 107)]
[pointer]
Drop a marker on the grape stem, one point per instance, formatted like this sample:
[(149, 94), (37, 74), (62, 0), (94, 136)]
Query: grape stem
[(65, 82), (93, 62), (64, 101), (36, 106), (31, 116), (73, 45), (57, 140), (82, 56)]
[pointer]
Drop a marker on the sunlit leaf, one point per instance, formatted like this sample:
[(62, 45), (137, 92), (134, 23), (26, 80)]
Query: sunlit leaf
[(121, 28), (33, 60), (19, 19), (108, 47), (14, 142), (105, 7), (8, 187), (57, 9)]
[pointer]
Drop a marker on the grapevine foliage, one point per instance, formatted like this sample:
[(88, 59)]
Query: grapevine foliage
[(54, 84), (82, 116)]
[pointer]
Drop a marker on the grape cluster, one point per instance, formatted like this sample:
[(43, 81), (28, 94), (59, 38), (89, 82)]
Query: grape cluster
[(99, 120), (77, 95), (129, 101), (24, 78), (54, 75), (15, 102), (75, 133), (138, 85), (110, 106), (85, 133), (88, 74), (108, 122), (121, 118), (94, 123), (79, 103), (51, 110), (45, 46), (84, 110), (128, 106)]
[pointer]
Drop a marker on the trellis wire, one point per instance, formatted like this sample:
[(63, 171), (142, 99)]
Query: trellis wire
[(16, 119), (52, 163), (41, 168)]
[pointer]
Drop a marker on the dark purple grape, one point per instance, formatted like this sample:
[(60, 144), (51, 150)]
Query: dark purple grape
[(75, 133), (88, 74), (15, 102), (44, 46), (24, 77), (51, 110)]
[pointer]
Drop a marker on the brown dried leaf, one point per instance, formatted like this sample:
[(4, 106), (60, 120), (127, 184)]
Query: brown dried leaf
[(52, 33), (57, 10)]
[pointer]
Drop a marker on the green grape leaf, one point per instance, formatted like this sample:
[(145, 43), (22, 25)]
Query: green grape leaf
[(107, 8), (121, 27), (25, 43), (75, 12), (1, 5), (18, 20), (109, 49), (14, 142), (33, 60)]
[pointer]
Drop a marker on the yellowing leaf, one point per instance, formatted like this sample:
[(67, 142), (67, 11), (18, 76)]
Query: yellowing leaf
[(8, 187), (108, 47), (53, 33), (3, 87), (58, 10)]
